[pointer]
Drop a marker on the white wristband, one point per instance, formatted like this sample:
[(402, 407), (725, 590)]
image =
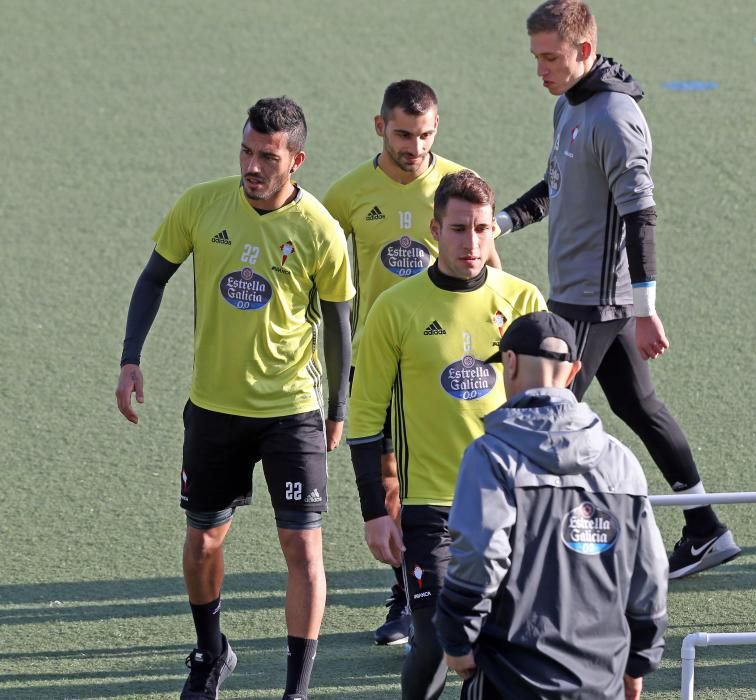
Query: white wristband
[(504, 222), (644, 299)]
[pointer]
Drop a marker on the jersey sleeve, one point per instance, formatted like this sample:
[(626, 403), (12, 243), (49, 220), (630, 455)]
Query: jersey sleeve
[(623, 147), (173, 238), (336, 203), (376, 369), (333, 276)]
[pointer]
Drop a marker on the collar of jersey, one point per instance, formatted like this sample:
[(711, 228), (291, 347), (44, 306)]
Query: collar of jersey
[(382, 173), (275, 212), (454, 284)]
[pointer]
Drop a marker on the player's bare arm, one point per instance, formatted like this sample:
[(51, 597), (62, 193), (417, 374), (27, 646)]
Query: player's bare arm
[(130, 382)]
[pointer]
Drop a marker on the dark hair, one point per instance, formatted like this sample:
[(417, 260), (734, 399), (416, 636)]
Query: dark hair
[(412, 96), (272, 115), (464, 184), (571, 19)]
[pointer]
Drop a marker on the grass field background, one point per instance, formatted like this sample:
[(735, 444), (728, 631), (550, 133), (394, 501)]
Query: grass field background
[(109, 110)]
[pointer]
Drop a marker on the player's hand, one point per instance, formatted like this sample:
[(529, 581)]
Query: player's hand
[(130, 382), (384, 539), (650, 338), (463, 665), (633, 687), (334, 429)]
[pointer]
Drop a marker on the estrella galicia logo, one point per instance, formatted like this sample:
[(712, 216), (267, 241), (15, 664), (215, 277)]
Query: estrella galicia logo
[(246, 290), (588, 530), (405, 257), (468, 378)]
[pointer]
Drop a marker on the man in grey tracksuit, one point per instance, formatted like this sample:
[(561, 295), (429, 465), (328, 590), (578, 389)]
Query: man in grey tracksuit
[(558, 576), (598, 194)]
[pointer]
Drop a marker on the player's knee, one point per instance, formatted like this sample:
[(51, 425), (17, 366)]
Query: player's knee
[(205, 533), (302, 546)]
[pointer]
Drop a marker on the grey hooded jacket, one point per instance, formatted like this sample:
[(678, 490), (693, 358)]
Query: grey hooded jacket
[(558, 574)]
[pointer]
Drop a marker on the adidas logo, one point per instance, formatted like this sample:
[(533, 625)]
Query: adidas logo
[(375, 214), (313, 497), (434, 329), (221, 237)]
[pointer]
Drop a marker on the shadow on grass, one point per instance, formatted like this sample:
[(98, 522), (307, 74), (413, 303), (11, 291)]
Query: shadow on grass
[(96, 600), (356, 668)]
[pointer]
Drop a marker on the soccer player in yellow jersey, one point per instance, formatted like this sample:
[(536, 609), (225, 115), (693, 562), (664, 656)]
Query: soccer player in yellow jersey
[(384, 206), (426, 341), (267, 258)]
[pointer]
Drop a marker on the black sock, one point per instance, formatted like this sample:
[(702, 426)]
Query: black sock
[(207, 623), (299, 663), (701, 521)]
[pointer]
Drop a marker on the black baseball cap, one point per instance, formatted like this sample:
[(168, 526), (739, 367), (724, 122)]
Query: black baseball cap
[(526, 334)]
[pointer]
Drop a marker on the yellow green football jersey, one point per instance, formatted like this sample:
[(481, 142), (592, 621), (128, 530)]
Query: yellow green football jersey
[(257, 281), (390, 228), (428, 346)]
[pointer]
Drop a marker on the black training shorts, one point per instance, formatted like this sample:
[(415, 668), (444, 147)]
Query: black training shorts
[(220, 451), (425, 531)]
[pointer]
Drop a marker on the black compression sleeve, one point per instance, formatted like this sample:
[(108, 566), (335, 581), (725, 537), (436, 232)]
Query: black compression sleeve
[(640, 229), (531, 207), (337, 347), (366, 460), (145, 302)]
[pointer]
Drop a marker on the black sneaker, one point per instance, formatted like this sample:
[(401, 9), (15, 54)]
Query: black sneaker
[(694, 554), (398, 620), (206, 674)]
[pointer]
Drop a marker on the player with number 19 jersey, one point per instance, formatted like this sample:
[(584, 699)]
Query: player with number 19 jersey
[(257, 278), (389, 223)]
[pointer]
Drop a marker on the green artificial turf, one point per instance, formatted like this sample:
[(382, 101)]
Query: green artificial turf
[(109, 110)]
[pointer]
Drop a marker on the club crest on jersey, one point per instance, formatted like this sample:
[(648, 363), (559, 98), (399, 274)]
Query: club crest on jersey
[(246, 290), (468, 379), (287, 249), (499, 319), (405, 257), (588, 530)]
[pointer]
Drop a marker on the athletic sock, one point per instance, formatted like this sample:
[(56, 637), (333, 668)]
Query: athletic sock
[(701, 521), (207, 624), (299, 662)]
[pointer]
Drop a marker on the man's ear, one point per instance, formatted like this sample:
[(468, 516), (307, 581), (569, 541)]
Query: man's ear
[(299, 158), (435, 228), (509, 360), (380, 125), (577, 365)]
